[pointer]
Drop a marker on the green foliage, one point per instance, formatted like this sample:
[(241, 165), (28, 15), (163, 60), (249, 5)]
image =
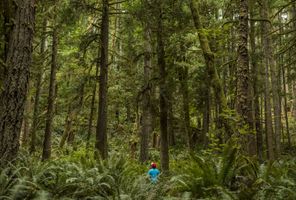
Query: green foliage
[(229, 175), (234, 176), (75, 179)]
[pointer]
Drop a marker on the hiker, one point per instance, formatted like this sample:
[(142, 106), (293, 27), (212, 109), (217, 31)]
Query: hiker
[(153, 173)]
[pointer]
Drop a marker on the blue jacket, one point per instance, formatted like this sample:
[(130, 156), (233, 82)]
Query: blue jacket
[(153, 173)]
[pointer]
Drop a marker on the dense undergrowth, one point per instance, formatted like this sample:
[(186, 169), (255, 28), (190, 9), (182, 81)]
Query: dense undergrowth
[(207, 175)]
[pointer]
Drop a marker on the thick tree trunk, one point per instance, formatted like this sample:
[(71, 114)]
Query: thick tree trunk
[(15, 83), (244, 97), (38, 89), (51, 98), (146, 128), (266, 62), (101, 132), (164, 147)]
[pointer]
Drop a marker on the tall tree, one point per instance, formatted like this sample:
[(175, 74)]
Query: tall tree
[(183, 77), (265, 30), (38, 87), (283, 72), (164, 146), (244, 99), (46, 153), (146, 128), (209, 57), (92, 107), (15, 83), (255, 80), (101, 132)]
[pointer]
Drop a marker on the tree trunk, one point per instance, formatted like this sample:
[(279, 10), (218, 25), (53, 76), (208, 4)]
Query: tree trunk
[(146, 128), (8, 11), (51, 98), (38, 88), (78, 106), (164, 147), (274, 78), (244, 98), (206, 111), (183, 77), (286, 106), (266, 56), (209, 58), (101, 132), (171, 121), (15, 83), (283, 70), (26, 119), (92, 108), (255, 76), (68, 125), (275, 94), (294, 85)]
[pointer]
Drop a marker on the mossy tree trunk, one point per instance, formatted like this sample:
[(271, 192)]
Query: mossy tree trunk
[(212, 73), (15, 82), (244, 92)]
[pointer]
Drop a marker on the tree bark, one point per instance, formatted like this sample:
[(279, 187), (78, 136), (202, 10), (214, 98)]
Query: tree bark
[(101, 132), (164, 147), (15, 83), (46, 153), (7, 9), (26, 119), (244, 96), (146, 128)]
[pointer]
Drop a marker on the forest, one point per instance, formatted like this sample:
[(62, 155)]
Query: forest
[(94, 91)]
